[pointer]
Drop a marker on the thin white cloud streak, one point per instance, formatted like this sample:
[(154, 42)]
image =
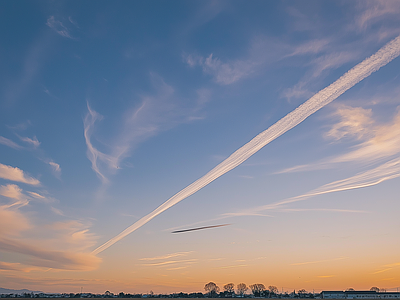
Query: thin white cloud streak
[(36, 195), (34, 142), (317, 261), (56, 167), (58, 27), (92, 153), (167, 256), (262, 50), (16, 174), (375, 11), (14, 267), (323, 209), (171, 262), (386, 54), (233, 266), (386, 171), (156, 113), (9, 143), (387, 267)]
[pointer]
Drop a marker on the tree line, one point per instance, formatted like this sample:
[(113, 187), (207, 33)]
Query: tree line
[(257, 289)]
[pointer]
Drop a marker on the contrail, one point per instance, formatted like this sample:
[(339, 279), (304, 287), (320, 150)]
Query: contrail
[(377, 175), (199, 228), (371, 64)]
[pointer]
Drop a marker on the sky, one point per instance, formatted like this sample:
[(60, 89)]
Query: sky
[(113, 111)]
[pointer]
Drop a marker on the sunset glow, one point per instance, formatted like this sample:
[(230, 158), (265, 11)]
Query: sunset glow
[(134, 132)]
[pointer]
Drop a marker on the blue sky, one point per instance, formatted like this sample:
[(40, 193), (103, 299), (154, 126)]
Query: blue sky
[(109, 108)]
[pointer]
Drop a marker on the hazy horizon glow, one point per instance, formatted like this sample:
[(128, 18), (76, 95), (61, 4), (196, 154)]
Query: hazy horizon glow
[(108, 110)]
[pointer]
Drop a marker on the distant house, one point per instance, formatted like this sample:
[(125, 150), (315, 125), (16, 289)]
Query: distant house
[(359, 295), (333, 295)]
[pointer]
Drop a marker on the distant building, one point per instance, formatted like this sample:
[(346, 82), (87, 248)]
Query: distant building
[(359, 295)]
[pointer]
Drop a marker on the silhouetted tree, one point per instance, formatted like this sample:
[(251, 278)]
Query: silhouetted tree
[(229, 289), (302, 293), (257, 289), (273, 289), (374, 288), (350, 289), (241, 289), (212, 289)]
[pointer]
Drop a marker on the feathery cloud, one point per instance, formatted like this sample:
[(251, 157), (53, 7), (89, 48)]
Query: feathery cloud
[(12, 222), (169, 262), (34, 142), (52, 259), (355, 122), (156, 113), (58, 27), (14, 267), (379, 174), (373, 11), (70, 236), (11, 191), (55, 167), (317, 261), (16, 174), (36, 195), (167, 256), (378, 141), (9, 143)]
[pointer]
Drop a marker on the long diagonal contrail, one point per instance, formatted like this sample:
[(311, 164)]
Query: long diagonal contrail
[(371, 64)]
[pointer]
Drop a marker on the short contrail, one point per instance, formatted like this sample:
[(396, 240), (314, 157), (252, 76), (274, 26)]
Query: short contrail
[(199, 228), (371, 64)]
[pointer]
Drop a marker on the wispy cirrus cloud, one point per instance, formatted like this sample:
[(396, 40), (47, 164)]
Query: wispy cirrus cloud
[(324, 60), (377, 141), (11, 191), (58, 27), (62, 245), (322, 209), (55, 168), (167, 256), (374, 176), (12, 222), (36, 195), (317, 261), (50, 258), (14, 267), (9, 143), (374, 11), (334, 50), (32, 141), (387, 267), (169, 262), (261, 51), (154, 114), (16, 174), (223, 73)]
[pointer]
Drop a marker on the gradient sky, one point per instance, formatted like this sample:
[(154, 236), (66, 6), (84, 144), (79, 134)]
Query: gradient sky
[(109, 108)]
